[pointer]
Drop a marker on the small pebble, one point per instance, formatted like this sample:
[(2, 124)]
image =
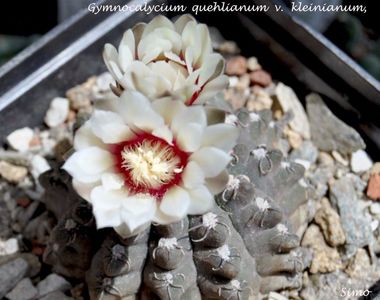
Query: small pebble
[(276, 296), (12, 173), (57, 112), (11, 273), (374, 225), (339, 158), (375, 208), (233, 81), (253, 64), (52, 283), (236, 65), (229, 47), (360, 162), (24, 290), (261, 77), (20, 139), (373, 189), (8, 247)]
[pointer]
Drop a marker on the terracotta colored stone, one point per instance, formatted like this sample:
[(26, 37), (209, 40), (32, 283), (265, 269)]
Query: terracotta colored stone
[(261, 77), (23, 202), (236, 65), (373, 189)]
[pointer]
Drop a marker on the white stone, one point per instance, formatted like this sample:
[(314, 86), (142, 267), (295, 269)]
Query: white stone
[(20, 139), (374, 225), (39, 165), (233, 81), (57, 112), (375, 208), (360, 161), (289, 101), (253, 64), (276, 296), (8, 247)]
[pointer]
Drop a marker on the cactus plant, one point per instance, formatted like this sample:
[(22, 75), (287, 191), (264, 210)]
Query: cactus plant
[(244, 245)]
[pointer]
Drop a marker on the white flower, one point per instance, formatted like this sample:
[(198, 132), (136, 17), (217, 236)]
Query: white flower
[(163, 58), (144, 162)]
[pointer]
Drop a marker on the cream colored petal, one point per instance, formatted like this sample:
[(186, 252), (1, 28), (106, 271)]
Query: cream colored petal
[(175, 203), (211, 160), (138, 210), (127, 50), (103, 199), (193, 175), (125, 57), (112, 181), (84, 138), (84, 189), (201, 200), (163, 219), (168, 108), (107, 218), (110, 127), (212, 88), (189, 137), (164, 133), (222, 136), (157, 22), (138, 30), (212, 67), (192, 114), (111, 58), (217, 184), (137, 111), (87, 165), (181, 22)]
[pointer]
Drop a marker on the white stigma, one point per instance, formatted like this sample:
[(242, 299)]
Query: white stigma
[(209, 220), (168, 243), (150, 164)]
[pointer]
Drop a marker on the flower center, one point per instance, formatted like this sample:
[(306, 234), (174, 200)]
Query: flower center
[(149, 164)]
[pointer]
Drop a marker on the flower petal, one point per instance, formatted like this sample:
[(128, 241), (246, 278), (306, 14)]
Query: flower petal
[(212, 67), (193, 114), (124, 231), (168, 108), (111, 57), (138, 211), (193, 175), (112, 181), (175, 203), (222, 136), (211, 160), (217, 184), (87, 165), (126, 50), (84, 138), (165, 133), (84, 189), (212, 88), (137, 111), (106, 206), (110, 127), (181, 22), (189, 137), (201, 200)]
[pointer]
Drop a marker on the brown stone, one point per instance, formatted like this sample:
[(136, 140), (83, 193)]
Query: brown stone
[(12, 173), (329, 221), (23, 202), (261, 77), (236, 65), (373, 189), (325, 259)]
